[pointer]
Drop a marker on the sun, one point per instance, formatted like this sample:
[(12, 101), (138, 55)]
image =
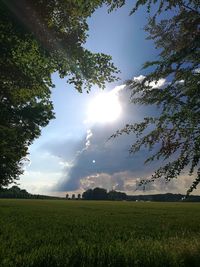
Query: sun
[(104, 108)]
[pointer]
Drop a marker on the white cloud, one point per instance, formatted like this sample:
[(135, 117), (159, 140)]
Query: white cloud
[(65, 164), (154, 84), (40, 182), (139, 78), (157, 84), (128, 182), (117, 89), (197, 70), (88, 136)]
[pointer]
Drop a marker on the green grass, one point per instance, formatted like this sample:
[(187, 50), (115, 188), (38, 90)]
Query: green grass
[(41, 233)]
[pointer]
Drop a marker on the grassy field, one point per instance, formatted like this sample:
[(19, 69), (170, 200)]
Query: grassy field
[(39, 233)]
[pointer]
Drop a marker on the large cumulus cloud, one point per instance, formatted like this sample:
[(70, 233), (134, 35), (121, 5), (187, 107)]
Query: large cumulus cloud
[(99, 157), (98, 161)]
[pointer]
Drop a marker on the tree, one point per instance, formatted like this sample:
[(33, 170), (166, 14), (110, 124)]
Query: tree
[(176, 130), (14, 192), (95, 194), (99, 193), (88, 194), (114, 195), (38, 38)]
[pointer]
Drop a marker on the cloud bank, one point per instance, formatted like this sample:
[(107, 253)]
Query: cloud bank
[(96, 161)]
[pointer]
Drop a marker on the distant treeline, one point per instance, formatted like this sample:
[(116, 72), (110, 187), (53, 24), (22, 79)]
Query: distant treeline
[(102, 194), (16, 192), (169, 197), (99, 194)]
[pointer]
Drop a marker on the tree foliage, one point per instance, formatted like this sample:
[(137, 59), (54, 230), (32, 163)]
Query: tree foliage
[(38, 38), (95, 194), (16, 192), (175, 132), (102, 194)]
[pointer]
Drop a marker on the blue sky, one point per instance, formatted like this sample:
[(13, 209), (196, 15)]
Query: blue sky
[(72, 155)]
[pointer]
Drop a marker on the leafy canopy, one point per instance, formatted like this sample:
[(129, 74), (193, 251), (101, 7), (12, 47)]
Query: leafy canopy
[(38, 38), (175, 132)]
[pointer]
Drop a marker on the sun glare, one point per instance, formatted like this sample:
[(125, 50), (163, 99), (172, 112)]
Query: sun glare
[(104, 108)]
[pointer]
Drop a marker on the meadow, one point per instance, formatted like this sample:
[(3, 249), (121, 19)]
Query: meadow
[(55, 233)]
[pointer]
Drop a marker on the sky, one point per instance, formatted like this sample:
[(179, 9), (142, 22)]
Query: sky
[(73, 152)]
